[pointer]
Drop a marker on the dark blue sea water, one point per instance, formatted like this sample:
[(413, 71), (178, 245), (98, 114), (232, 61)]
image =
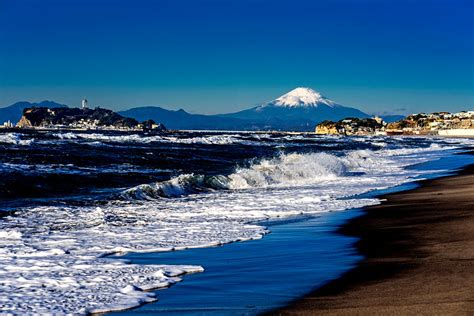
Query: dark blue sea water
[(69, 199)]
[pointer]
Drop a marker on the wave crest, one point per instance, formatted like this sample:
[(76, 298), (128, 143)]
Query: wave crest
[(288, 170), (15, 139), (284, 170), (178, 186)]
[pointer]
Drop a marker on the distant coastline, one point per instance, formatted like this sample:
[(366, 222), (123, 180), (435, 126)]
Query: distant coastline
[(459, 124), (454, 133), (300, 110)]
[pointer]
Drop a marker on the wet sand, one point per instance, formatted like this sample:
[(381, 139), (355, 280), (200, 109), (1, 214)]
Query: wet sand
[(419, 250)]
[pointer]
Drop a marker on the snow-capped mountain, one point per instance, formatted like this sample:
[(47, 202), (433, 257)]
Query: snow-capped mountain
[(299, 109), (305, 97)]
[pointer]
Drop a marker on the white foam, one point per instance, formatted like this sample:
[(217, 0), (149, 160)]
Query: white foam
[(14, 138), (291, 169), (220, 139), (136, 138), (51, 259)]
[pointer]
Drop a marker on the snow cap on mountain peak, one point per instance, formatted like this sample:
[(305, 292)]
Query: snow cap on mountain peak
[(302, 97)]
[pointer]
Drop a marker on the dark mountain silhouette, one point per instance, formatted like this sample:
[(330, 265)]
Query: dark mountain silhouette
[(14, 112), (181, 119), (299, 110)]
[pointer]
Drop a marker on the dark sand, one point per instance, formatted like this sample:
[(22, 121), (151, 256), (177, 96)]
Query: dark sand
[(419, 250)]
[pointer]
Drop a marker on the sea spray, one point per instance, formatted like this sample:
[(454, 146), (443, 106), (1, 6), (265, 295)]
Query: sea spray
[(52, 252)]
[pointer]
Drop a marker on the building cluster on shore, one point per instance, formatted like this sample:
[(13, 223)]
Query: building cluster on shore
[(442, 123), (7, 124), (83, 118)]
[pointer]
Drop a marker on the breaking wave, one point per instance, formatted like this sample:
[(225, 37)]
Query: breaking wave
[(284, 170), (288, 170), (52, 255), (178, 186)]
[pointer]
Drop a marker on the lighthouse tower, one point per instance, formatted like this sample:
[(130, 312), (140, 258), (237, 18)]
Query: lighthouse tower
[(84, 103)]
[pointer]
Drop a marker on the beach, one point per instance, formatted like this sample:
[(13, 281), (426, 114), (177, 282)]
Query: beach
[(285, 196), (419, 249)]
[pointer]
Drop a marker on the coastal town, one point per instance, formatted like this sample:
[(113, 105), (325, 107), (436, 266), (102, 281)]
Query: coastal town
[(441, 123)]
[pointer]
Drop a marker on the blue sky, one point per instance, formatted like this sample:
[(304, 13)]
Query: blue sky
[(215, 56)]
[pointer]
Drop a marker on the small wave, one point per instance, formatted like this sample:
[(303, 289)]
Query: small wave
[(15, 139), (182, 185), (137, 138), (132, 138), (222, 139), (10, 234), (211, 140)]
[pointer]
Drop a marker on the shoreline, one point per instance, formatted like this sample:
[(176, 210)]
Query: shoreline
[(305, 236), (444, 134), (418, 248), (142, 228)]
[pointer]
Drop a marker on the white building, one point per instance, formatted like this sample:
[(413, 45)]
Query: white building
[(84, 103), (7, 124)]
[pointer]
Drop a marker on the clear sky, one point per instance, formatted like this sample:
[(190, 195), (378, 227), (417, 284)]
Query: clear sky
[(215, 56)]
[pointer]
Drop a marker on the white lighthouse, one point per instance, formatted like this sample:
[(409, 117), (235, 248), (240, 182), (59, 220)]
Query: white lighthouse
[(84, 103)]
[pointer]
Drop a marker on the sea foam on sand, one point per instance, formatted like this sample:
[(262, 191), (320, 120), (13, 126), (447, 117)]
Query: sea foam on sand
[(52, 257)]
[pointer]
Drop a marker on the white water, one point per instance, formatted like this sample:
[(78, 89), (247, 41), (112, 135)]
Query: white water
[(14, 138), (135, 138), (100, 139), (51, 258)]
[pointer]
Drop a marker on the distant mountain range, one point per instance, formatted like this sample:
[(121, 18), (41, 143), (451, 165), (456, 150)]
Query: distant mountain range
[(298, 110), (181, 119)]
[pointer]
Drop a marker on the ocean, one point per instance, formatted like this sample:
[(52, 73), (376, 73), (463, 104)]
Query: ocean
[(79, 209)]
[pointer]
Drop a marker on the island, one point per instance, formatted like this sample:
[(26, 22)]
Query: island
[(82, 118)]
